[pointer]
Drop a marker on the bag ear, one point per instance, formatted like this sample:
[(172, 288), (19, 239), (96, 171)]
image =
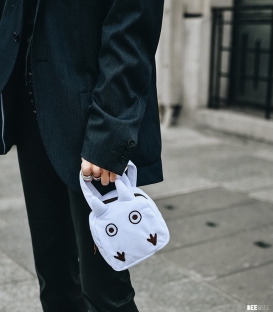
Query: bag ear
[(124, 190), (132, 173), (97, 206), (124, 178)]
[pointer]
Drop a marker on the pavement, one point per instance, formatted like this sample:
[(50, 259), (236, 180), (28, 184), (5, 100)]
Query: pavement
[(217, 199)]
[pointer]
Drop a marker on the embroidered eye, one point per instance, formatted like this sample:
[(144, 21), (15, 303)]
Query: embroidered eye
[(135, 217), (111, 229)]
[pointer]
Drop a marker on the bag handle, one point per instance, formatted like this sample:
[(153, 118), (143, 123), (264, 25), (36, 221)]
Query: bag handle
[(90, 190)]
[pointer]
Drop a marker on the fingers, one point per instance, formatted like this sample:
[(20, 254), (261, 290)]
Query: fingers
[(113, 177), (86, 167), (89, 168), (105, 177), (97, 171)]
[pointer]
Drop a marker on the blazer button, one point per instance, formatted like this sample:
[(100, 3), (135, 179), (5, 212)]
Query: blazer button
[(131, 143), (16, 37), (123, 159)]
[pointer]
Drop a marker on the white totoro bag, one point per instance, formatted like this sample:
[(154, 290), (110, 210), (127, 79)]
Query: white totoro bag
[(125, 223)]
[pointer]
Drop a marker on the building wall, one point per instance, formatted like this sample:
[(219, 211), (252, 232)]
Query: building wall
[(222, 3), (183, 55), (169, 56)]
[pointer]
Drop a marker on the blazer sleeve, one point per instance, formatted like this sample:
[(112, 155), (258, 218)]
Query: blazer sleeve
[(130, 35)]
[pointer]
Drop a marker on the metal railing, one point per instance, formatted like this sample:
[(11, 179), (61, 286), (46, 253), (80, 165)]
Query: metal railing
[(241, 64)]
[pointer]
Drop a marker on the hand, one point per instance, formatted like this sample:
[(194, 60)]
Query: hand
[(106, 176)]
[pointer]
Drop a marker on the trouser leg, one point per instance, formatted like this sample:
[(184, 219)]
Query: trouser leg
[(50, 205), (104, 289), (52, 231)]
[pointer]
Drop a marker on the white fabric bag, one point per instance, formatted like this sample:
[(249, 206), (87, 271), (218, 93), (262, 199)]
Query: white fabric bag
[(126, 225)]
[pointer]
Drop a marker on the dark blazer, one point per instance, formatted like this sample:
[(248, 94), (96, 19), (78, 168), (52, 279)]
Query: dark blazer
[(2, 3), (94, 79)]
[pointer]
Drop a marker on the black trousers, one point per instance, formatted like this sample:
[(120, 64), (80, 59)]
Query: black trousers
[(72, 278)]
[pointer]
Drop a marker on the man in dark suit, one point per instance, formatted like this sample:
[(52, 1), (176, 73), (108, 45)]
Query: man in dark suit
[(78, 91)]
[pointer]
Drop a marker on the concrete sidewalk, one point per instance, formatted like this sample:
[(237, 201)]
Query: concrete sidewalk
[(217, 198)]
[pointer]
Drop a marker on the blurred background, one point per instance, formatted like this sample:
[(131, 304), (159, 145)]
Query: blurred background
[(217, 54), (214, 78)]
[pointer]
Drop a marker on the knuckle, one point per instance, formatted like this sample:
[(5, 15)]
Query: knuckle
[(86, 170), (96, 171), (86, 164)]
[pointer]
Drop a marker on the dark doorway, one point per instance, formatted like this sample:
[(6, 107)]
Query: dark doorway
[(253, 2), (242, 57)]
